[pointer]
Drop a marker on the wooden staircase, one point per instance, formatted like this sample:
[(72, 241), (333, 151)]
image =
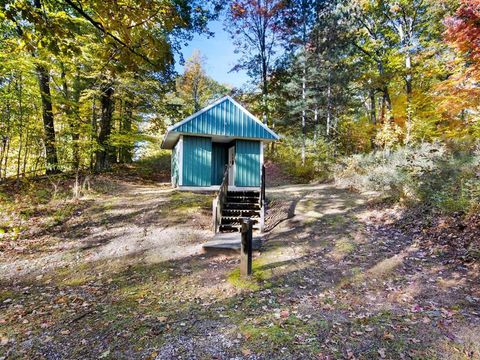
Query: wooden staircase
[(240, 204), (230, 206)]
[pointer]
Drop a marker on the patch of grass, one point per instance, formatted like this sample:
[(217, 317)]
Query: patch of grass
[(337, 220), (77, 280), (356, 271), (42, 196), (62, 214), (292, 332), (181, 201), (272, 333), (258, 279), (342, 248), (154, 166), (6, 294), (5, 197), (27, 213), (382, 317), (386, 266), (10, 230)]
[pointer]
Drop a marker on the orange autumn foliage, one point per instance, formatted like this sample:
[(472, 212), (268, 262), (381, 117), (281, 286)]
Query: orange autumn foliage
[(463, 31)]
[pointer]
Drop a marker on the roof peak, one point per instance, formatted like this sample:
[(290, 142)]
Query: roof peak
[(228, 120)]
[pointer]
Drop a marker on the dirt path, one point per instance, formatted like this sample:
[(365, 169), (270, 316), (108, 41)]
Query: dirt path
[(151, 223), (335, 279)]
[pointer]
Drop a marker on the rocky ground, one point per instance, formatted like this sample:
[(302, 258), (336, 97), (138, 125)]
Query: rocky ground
[(124, 276)]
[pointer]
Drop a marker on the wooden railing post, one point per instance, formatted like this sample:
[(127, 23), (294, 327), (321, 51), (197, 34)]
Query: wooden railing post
[(219, 202), (214, 215), (246, 247), (262, 200)]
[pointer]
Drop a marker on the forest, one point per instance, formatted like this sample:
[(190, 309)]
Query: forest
[(83, 86), (377, 103)]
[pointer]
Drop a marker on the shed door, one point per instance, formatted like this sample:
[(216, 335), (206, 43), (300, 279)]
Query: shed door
[(197, 161), (247, 163), (231, 166), (219, 161)]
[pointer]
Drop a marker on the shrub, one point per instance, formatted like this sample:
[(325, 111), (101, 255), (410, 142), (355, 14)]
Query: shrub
[(440, 176), (318, 161), (153, 166)]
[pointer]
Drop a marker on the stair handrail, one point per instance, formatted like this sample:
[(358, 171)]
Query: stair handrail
[(262, 187), (219, 201), (262, 199)]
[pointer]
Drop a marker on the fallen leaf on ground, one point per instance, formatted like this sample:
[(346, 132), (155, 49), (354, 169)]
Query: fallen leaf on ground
[(104, 354), (246, 352), (388, 336)]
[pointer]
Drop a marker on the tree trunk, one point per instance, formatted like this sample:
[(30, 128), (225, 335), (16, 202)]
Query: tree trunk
[(408, 87), (304, 125), (20, 113), (126, 152), (373, 116), (386, 105), (304, 81), (25, 153), (196, 95), (386, 102), (71, 110), (264, 91), (105, 154), (48, 121), (5, 137), (329, 110), (373, 108), (93, 134), (47, 113), (5, 164), (75, 125)]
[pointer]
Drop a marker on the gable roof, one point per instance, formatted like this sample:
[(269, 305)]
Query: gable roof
[(223, 118)]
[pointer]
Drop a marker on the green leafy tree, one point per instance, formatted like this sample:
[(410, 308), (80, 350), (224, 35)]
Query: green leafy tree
[(195, 88), (255, 26)]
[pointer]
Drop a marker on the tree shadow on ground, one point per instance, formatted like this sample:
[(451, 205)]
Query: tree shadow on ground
[(327, 284)]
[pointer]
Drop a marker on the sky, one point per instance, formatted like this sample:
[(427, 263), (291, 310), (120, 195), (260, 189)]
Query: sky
[(219, 53)]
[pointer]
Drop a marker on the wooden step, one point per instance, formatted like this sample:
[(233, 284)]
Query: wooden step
[(240, 212), (239, 196), (236, 221), (237, 205), (229, 241), (237, 216), (244, 193), (235, 228), (243, 199)]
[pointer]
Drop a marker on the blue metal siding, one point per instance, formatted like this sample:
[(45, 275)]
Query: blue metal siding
[(175, 172), (247, 163), (197, 161), (219, 160), (225, 119)]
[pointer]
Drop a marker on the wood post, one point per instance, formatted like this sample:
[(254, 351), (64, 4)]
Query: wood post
[(262, 200), (246, 248), (214, 215)]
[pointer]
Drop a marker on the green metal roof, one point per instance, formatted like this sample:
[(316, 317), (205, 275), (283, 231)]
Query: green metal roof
[(225, 118)]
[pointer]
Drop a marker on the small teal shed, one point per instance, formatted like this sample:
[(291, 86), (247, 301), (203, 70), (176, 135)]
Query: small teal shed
[(223, 133)]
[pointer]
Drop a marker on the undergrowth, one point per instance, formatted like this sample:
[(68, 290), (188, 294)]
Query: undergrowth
[(287, 154), (442, 177)]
